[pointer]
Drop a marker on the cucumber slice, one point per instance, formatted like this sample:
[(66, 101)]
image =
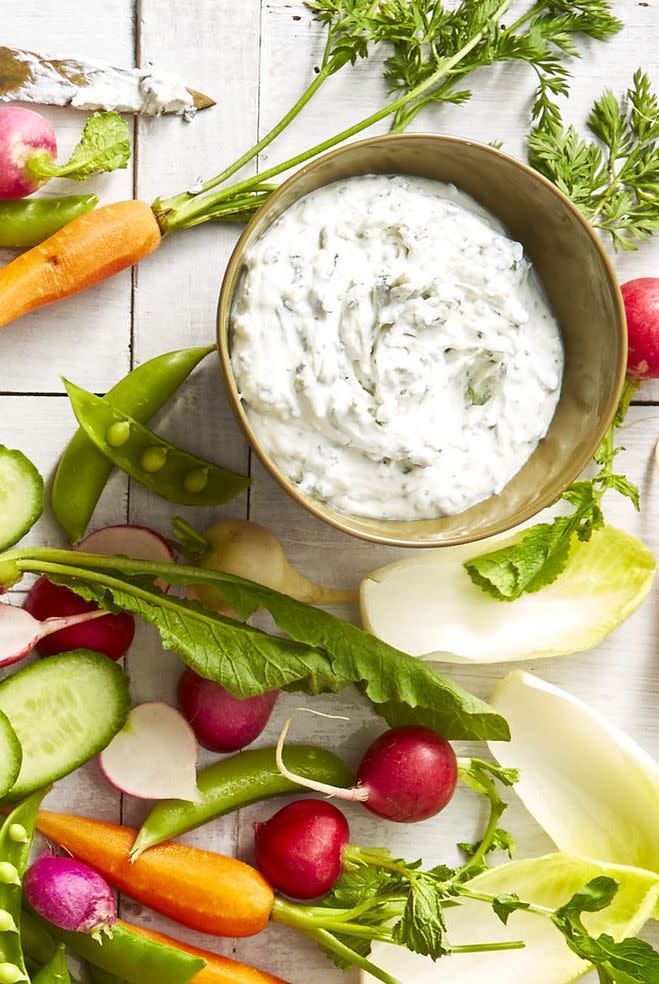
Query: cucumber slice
[(11, 755), (64, 709), (21, 496)]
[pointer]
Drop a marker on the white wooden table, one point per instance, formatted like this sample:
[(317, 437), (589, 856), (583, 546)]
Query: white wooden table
[(255, 56)]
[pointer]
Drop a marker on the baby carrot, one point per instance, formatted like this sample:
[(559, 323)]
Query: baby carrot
[(84, 252), (218, 969), (200, 889)]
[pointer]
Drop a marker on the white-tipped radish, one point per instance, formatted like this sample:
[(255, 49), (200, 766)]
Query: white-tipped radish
[(246, 549), (25, 136), (154, 755), (138, 542), (20, 632), (406, 775)]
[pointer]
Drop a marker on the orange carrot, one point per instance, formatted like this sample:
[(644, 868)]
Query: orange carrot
[(200, 889), (84, 252), (218, 970)]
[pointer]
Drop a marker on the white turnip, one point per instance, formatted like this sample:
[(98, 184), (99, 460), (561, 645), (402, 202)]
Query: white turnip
[(408, 774), (111, 634), (24, 136), (70, 895), (154, 755), (300, 848), (221, 722), (641, 297), (246, 549)]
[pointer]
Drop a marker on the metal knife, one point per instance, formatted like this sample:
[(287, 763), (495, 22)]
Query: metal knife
[(86, 84)]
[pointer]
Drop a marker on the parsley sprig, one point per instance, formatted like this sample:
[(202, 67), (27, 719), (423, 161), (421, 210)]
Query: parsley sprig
[(613, 178), (433, 47), (537, 557)]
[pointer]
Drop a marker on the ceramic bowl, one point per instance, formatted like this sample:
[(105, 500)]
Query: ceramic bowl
[(576, 275)]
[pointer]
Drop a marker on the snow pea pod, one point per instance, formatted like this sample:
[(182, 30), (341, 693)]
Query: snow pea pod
[(126, 955), (26, 223), (16, 836), (161, 467), (55, 970), (83, 471), (232, 783)]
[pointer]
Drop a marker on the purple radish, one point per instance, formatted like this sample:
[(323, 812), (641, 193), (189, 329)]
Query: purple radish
[(20, 632), (138, 542), (112, 634), (300, 848), (70, 895), (221, 722), (408, 774), (154, 755), (24, 136)]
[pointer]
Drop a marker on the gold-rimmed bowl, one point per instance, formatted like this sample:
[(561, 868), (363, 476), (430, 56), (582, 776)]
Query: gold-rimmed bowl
[(575, 273)]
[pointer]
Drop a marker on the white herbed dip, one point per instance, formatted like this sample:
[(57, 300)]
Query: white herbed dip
[(394, 353)]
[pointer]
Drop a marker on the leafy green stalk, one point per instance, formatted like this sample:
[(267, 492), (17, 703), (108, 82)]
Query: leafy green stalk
[(539, 555), (104, 146), (321, 654), (614, 178)]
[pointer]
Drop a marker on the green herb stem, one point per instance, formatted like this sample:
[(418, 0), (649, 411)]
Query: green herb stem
[(190, 212), (486, 947), (469, 893)]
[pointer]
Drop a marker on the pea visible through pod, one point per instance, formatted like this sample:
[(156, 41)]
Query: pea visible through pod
[(232, 783), (28, 222), (16, 836), (83, 471), (161, 467)]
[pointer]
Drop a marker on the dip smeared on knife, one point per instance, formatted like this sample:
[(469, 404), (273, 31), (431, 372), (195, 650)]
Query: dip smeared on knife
[(394, 351)]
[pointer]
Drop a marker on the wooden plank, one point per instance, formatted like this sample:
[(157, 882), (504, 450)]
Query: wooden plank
[(88, 336), (176, 294)]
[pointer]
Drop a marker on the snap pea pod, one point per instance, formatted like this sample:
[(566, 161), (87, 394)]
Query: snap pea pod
[(98, 976), (126, 955), (161, 467), (232, 783), (28, 222), (16, 836), (55, 970), (83, 471)]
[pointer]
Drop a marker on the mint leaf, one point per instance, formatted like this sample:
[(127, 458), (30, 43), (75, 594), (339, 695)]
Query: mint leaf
[(625, 961), (104, 146), (422, 927), (322, 654), (593, 897), (501, 841), (505, 905)]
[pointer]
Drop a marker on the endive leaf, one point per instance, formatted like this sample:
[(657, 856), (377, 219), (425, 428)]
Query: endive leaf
[(546, 959), (593, 789), (428, 606)]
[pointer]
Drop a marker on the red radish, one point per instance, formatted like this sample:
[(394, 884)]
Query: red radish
[(138, 542), (20, 632), (408, 774), (300, 848), (154, 755), (111, 634), (24, 135), (70, 895), (221, 722), (641, 299)]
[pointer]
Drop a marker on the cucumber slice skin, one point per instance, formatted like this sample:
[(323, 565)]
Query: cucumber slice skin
[(64, 709), (11, 755), (21, 496)]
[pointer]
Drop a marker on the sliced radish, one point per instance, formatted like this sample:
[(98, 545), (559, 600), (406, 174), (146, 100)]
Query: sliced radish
[(154, 756), (20, 632), (138, 542)]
